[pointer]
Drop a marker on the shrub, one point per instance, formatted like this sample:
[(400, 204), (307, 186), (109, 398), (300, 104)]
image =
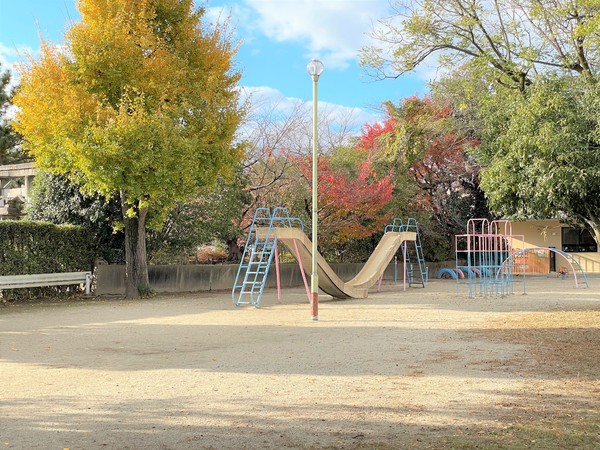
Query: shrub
[(39, 247)]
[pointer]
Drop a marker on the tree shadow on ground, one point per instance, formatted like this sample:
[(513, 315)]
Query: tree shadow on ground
[(184, 422)]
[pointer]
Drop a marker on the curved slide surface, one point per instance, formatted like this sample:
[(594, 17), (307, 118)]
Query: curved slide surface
[(358, 287)]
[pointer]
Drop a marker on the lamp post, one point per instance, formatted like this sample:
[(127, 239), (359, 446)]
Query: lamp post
[(315, 69)]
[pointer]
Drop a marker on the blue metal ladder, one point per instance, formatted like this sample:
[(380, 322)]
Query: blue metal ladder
[(414, 251), (258, 255), (415, 255)]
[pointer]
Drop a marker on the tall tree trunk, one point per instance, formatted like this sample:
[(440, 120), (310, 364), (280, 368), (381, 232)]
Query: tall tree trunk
[(233, 254), (136, 265), (593, 222)]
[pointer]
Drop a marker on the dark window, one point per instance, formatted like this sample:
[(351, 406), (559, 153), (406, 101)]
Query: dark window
[(578, 240)]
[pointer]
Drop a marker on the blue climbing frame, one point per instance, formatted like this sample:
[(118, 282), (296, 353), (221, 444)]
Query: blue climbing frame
[(485, 258)]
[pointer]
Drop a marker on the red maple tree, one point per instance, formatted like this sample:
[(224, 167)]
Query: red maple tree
[(350, 205), (421, 139), (370, 133)]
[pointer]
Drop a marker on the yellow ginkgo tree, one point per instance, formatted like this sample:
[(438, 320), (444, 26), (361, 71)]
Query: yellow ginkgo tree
[(141, 101)]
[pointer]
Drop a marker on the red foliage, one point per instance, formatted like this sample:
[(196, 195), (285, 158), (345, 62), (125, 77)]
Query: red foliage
[(441, 165), (444, 165), (350, 207), (371, 132)]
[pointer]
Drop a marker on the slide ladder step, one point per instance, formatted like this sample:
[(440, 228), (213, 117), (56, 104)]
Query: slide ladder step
[(258, 255)]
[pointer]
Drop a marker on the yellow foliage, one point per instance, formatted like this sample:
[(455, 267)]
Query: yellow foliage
[(141, 100)]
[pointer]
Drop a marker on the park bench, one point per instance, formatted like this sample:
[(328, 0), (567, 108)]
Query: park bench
[(46, 279)]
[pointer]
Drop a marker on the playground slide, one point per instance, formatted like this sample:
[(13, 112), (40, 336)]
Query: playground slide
[(300, 246)]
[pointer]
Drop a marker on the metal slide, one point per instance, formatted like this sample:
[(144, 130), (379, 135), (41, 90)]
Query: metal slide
[(300, 247)]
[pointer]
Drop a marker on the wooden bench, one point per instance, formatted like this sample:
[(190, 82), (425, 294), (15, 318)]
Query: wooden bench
[(46, 279)]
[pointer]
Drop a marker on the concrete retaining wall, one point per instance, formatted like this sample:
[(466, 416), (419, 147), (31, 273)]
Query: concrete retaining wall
[(110, 279)]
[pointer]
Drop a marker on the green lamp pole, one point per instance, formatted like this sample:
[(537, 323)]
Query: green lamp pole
[(315, 69)]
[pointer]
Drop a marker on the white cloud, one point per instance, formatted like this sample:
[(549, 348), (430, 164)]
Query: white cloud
[(259, 94), (215, 15), (11, 55), (220, 14), (262, 97), (333, 30), (270, 109), (235, 17)]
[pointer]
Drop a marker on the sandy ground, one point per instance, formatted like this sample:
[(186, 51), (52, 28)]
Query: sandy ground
[(396, 370)]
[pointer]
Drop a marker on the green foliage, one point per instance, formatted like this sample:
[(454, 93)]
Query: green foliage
[(347, 159), (509, 41), (353, 251), (426, 147), (141, 102), (145, 104), (221, 209), (543, 151), (214, 216), (10, 152), (521, 77), (36, 247), (437, 240), (416, 126), (56, 200)]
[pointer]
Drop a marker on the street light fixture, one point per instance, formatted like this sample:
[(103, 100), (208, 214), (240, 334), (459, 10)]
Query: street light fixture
[(315, 69)]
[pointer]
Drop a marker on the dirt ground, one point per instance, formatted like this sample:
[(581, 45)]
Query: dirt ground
[(425, 368)]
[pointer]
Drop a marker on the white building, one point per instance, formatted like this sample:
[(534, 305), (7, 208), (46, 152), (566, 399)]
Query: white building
[(15, 185)]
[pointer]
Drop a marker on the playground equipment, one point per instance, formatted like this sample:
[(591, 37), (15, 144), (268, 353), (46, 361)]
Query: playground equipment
[(579, 275), (488, 249), (455, 274), (258, 254), (412, 251), (268, 230), (493, 260)]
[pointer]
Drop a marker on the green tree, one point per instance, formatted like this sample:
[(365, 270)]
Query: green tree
[(10, 151), (424, 144), (510, 40), (54, 199), (140, 102), (539, 159), (542, 152), (215, 215)]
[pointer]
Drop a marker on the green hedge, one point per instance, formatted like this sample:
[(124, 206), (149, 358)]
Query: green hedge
[(40, 247)]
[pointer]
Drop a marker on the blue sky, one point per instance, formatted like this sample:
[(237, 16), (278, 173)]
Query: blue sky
[(278, 38)]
